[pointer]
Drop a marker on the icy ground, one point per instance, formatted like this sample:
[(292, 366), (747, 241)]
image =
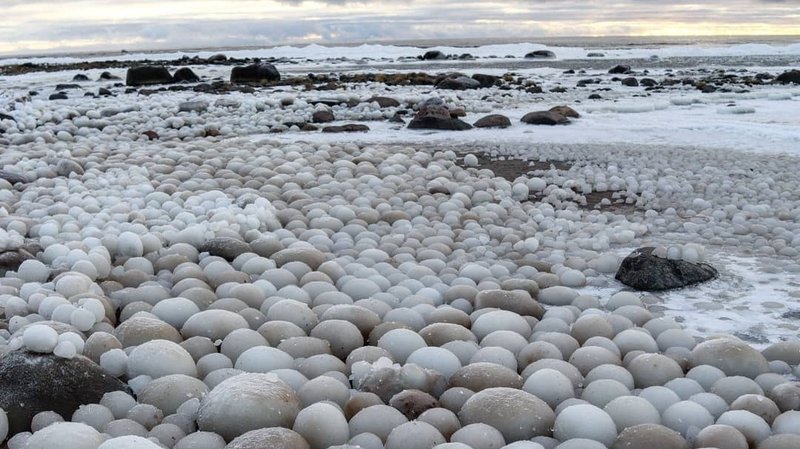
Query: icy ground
[(745, 141)]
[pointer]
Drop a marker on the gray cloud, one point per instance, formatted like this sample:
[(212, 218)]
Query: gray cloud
[(301, 21)]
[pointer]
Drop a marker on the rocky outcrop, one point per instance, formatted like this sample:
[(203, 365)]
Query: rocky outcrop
[(642, 270)]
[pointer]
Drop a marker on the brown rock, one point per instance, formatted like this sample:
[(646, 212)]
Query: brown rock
[(493, 121), (544, 118)]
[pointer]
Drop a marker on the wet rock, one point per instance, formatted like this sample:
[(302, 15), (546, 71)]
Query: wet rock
[(595, 55), (12, 259), (103, 92), (347, 128), (433, 55), (648, 82), (147, 75), (151, 135), (262, 72), (413, 403), (322, 116), (619, 69), (493, 121), (540, 54), (185, 75), (80, 77), (790, 77), (384, 102), (645, 271), (433, 114), (544, 118), (226, 247), (58, 96), (50, 383)]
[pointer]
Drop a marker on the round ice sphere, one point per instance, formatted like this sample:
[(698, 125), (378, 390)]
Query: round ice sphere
[(40, 338)]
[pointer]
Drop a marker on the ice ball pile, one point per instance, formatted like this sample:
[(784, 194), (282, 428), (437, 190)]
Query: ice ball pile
[(318, 295)]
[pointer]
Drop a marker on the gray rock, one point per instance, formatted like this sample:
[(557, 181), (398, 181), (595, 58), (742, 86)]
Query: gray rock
[(12, 178), (226, 247), (347, 128), (384, 102), (192, 106), (434, 55), (458, 83), (322, 116), (185, 75), (32, 383), (433, 114), (66, 167), (619, 69), (790, 77), (644, 271)]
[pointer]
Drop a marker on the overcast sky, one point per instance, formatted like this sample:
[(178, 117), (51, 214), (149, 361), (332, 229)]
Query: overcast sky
[(36, 26)]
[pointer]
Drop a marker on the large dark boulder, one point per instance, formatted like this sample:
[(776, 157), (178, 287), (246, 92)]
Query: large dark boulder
[(32, 383), (434, 55), (185, 75), (384, 102), (262, 72), (147, 75), (486, 80), (644, 271), (619, 69), (433, 114), (790, 77)]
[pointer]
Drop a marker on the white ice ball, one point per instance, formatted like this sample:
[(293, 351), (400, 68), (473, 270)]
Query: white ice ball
[(585, 421), (40, 338)]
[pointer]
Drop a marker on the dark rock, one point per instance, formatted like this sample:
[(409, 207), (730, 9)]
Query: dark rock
[(486, 80), (104, 92), (644, 271), (630, 82), (67, 86), (458, 83), (7, 117), (322, 116), (384, 102), (620, 69), (226, 247), (217, 58), (566, 111), (80, 77), (151, 135), (595, 55), (540, 54), (544, 118), (12, 259), (348, 128), (706, 88), (792, 76), (262, 72), (308, 127), (397, 118), (433, 114), (413, 403), (466, 57), (185, 75), (147, 75), (493, 121), (648, 82), (107, 76), (434, 55), (58, 96), (595, 97), (32, 383)]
